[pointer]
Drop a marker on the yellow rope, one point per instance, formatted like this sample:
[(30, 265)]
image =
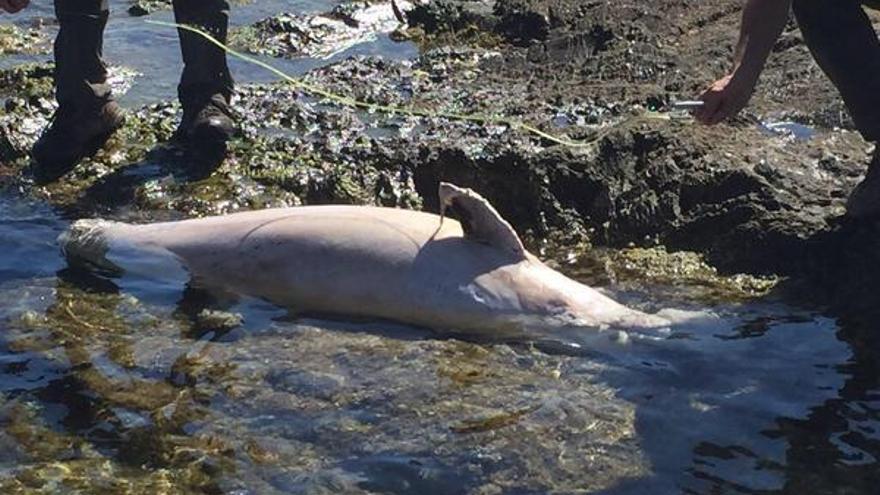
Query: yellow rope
[(391, 109)]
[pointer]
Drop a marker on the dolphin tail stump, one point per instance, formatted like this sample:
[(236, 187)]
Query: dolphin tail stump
[(472, 275), (86, 243)]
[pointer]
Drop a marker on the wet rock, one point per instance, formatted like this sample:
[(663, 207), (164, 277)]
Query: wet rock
[(839, 269), (29, 81), (522, 21), (518, 22), (319, 385), (391, 473), (28, 92), (140, 8), (680, 276), (322, 35), (450, 15), (219, 321), (15, 40)]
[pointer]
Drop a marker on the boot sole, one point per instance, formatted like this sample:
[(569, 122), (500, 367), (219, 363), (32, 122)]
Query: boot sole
[(207, 148), (51, 170), (205, 158)]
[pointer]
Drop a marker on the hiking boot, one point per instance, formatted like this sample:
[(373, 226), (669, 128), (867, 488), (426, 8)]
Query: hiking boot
[(73, 134), (204, 132), (86, 115), (205, 85), (209, 121), (864, 201)]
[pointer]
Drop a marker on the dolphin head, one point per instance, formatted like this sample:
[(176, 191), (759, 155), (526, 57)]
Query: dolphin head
[(521, 290), (558, 300)]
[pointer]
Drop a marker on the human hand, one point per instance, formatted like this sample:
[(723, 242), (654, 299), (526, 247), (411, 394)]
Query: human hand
[(13, 6), (725, 98)]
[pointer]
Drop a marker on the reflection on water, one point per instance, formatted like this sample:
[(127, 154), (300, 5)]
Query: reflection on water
[(121, 385), (791, 129)]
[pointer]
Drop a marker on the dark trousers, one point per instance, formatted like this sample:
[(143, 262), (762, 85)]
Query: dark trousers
[(80, 72), (844, 44)]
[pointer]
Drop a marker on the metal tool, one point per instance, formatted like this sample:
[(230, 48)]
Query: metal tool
[(687, 105)]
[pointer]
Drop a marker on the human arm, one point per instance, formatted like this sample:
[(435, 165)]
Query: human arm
[(13, 6), (762, 23)]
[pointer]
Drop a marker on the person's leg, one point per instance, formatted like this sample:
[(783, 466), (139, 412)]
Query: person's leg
[(206, 84), (80, 73), (845, 45), (86, 113), (864, 200), (205, 71)]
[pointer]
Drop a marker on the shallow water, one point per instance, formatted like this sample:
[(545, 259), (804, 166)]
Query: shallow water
[(119, 385), (111, 384)]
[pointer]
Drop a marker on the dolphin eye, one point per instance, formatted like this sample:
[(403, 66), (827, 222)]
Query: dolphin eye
[(557, 305)]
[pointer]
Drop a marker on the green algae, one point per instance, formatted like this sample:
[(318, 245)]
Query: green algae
[(139, 167), (199, 420), (493, 421), (657, 267), (272, 37), (27, 82), (94, 333), (27, 90), (17, 41), (469, 35)]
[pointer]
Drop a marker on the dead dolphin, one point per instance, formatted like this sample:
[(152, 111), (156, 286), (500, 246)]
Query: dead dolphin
[(472, 275)]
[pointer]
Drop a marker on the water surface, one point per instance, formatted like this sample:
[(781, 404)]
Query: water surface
[(112, 382)]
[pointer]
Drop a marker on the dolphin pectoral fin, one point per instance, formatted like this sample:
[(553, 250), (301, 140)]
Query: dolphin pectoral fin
[(200, 291), (479, 219)]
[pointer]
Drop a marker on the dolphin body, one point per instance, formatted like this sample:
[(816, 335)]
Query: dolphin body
[(472, 275)]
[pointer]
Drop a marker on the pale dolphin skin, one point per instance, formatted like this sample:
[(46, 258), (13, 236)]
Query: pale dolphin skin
[(402, 265)]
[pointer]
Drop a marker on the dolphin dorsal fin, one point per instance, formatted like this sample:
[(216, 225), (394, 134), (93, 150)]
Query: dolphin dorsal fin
[(479, 219)]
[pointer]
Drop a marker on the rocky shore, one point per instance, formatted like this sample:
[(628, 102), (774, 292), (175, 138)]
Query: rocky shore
[(113, 385), (749, 196)]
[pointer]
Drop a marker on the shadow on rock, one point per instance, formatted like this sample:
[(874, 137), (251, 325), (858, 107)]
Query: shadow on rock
[(840, 270), (125, 186)]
